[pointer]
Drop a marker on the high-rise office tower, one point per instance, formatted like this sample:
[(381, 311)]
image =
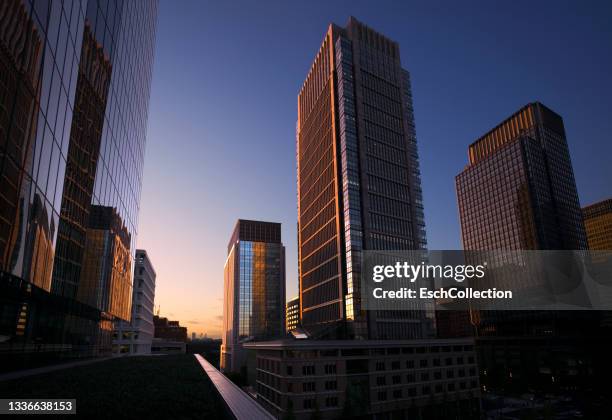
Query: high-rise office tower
[(136, 336), (518, 193), (359, 190), (74, 84), (358, 179), (254, 289), (518, 190), (598, 225)]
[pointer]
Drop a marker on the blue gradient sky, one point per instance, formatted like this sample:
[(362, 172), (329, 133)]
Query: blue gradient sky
[(221, 139)]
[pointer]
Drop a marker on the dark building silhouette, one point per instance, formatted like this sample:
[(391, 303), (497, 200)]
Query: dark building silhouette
[(254, 289), (74, 87), (169, 330), (359, 185), (518, 192)]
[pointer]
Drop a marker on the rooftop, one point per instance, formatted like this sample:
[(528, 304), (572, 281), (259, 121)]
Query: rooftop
[(134, 387), (355, 343)]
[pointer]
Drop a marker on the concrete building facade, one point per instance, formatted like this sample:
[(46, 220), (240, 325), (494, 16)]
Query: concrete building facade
[(366, 378)]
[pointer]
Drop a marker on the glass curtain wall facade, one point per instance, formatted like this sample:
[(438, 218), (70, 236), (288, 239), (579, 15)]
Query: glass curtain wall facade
[(359, 185), (518, 193), (254, 287), (74, 86)]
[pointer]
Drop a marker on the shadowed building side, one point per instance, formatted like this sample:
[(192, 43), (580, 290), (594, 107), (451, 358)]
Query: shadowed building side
[(547, 207), (518, 192)]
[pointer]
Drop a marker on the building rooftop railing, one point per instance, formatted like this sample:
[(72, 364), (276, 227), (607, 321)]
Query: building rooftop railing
[(238, 402)]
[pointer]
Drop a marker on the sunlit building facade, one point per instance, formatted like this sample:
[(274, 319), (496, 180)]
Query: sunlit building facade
[(254, 289), (74, 84), (359, 189), (293, 313), (358, 177), (136, 336), (598, 225)]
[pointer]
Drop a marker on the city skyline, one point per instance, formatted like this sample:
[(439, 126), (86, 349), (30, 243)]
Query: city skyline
[(449, 113), (362, 209)]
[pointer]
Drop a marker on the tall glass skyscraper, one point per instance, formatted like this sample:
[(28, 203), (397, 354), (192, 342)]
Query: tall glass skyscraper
[(75, 79), (359, 185), (359, 190), (518, 190), (254, 289)]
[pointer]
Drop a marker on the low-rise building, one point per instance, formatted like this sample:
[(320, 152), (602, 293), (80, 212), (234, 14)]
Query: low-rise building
[(420, 378), (169, 330)]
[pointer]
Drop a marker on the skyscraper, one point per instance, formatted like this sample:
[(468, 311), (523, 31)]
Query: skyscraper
[(254, 289), (598, 224), (75, 82), (136, 336), (358, 179), (518, 190), (359, 190)]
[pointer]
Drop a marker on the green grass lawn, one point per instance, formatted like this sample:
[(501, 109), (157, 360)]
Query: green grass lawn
[(129, 387)]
